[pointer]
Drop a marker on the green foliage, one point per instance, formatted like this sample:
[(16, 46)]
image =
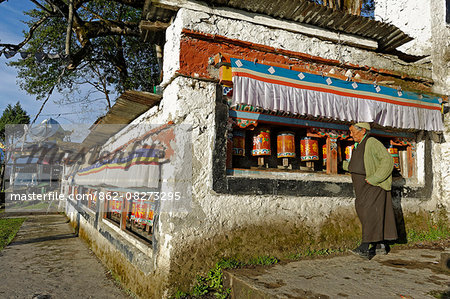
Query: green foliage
[(13, 115), (437, 230), (8, 230), (263, 260), (229, 263), (212, 283), (104, 54), (180, 295)]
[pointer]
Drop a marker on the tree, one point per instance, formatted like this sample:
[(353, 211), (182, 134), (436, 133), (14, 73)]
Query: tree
[(102, 48), (12, 115), (354, 7)]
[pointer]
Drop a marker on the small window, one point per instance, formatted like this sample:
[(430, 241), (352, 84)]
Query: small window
[(132, 211)]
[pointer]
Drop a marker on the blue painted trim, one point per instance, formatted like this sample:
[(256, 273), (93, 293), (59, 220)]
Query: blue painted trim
[(293, 75), (286, 120)]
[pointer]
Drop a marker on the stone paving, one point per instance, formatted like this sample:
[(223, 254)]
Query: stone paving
[(412, 273), (46, 260)]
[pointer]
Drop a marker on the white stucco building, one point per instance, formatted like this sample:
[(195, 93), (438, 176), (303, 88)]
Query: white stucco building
[(297, 67)]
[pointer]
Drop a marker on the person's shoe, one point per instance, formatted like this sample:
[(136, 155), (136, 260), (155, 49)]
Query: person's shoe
[(382, 249), (362, 253)]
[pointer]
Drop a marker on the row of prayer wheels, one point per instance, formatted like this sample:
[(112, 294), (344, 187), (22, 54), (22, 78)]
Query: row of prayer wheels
[(309, 148)]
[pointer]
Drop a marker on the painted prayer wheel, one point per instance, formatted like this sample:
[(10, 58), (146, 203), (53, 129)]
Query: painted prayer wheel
[(286, 145), (394, 153), (309, 149), (324, 154), (348, 152), (261, 143), (239, 143)]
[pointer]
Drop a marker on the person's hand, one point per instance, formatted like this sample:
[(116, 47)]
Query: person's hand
[(345, 165)]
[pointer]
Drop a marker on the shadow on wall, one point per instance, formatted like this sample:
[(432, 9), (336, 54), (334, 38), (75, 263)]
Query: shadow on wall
[(398, 211)]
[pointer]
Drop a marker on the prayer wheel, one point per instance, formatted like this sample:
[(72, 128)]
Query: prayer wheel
[(324, 154), (261, 143), (286, 145), (309, 149), (348, 152), (394, 153), (238, 143)]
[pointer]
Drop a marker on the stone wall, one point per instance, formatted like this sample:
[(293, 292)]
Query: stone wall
[(440, 53), (444, 161), (424, 20), (292, 41)]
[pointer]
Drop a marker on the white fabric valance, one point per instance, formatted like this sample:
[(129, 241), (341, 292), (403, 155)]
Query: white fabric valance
[(280, 89)]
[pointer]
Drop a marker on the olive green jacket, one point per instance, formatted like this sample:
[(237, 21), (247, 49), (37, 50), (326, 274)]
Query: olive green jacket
[(378, 164)]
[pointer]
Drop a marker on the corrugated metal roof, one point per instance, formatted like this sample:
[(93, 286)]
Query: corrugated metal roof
[(128, 106), (388, 36)]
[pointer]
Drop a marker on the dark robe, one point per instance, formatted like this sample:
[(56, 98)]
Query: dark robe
[(373, 204)]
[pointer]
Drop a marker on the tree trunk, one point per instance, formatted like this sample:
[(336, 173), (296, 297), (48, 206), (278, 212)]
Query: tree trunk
[(353, 6), (349, 6)]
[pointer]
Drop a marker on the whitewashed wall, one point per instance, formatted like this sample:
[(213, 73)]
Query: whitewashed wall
[(283, 39), (424, 20), (441, 47), (413, 17), (444, 161)]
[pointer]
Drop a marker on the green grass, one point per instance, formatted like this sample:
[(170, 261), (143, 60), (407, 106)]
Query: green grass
[(212, 286), (436, 231), (8, 229), (263, 261)]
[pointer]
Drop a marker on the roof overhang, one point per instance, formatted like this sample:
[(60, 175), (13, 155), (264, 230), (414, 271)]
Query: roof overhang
[(128, 107), (387, 37)]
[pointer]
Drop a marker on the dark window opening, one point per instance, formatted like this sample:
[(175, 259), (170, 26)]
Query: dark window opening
[(246, 154), (447, 11)]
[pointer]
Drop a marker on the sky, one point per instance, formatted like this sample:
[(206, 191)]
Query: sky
[(11, 28)]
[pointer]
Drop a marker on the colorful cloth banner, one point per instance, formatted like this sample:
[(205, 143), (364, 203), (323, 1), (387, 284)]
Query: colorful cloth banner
[(299, 93), (139, 169)]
